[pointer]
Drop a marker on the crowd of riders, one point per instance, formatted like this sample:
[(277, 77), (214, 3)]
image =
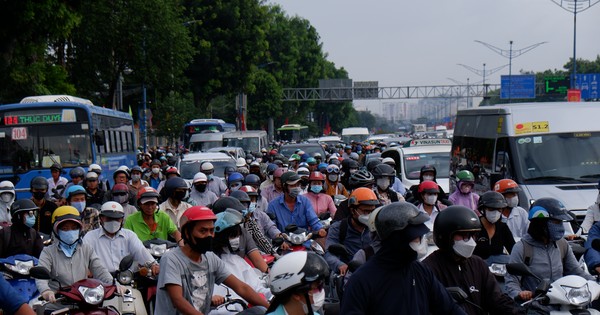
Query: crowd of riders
[(80, 223)]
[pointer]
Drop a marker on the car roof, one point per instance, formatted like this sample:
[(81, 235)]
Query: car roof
[(207, 156)]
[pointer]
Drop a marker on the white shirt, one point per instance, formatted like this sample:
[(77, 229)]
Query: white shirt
[(51, 185), (518, 222), (174, 213)]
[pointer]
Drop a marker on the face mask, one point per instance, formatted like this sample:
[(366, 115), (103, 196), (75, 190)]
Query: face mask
[(122, 199), (318, 300), (294, 192), (112, 227), (38, 195), (555, 231), (235, 187), (383, 183), (316, 188), (427, 177), (419, 246), (430, 199), (155, 170), (178, 195), (234, 243), (252, 207), (512, 202), (79, 205), (271, 177), (30, 220), (464, 248), (492, 216), (136, 177), (465, 189), (332, 177), (200, 187), (201, 245), (364, 219), (210, 177), (6, 197), (68, 237)]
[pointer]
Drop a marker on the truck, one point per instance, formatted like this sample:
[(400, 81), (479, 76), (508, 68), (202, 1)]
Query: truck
[(419, 128)]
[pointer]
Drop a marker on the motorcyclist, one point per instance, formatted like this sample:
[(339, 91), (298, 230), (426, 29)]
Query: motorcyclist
[(103, 182), (75, 197), (121, 176), (297, 282), (592, 215), (95, 195), (175, 190), (271, 193), (200, 195), (393, 281), (77, 175), (304, 173), (149, 223), (7, 197), (454, 264), (352, 232), (136, 182), (320, 201), (513, 215), (543, 249), (154, 177), (254, 181), (54, 182), (464, 194), (384, 175), (332, 182), (188, 273), (495, 239), (39, 188), (349, 167), (427, 172), (170, 172), (362, 178), (428, 201), (271, 167), (20, 237), (234, 182), (397, 186), (120, 194), (215, 183)]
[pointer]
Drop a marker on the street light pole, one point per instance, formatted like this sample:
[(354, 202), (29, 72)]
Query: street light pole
[(144, 117)]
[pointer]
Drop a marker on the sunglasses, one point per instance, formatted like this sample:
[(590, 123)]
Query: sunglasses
[(333, 170)]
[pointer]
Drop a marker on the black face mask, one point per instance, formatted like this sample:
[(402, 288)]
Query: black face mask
[(200, 187), (201, 245), (178, 195), (38, 195)]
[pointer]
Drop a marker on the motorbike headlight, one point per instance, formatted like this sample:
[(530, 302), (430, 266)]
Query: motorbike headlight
[(94, 295), (297, 239), (578, 296), (157, 250), (498, 269), (20, 267), (125, 277)]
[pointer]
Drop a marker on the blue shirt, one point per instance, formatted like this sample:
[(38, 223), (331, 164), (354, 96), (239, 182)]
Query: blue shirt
[(10, 299), (303, 216), (154, 182)]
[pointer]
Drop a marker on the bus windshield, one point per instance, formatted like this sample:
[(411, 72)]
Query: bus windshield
[(27, 147), (558, 158)]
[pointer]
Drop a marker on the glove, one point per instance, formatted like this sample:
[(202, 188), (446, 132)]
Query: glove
[(48, 295)]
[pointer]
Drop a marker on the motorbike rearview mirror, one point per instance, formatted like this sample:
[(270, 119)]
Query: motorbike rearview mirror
[(458, 294), (338, 250), (278, 241), (543, 287), (291, 228), (126, 262), (39, 272), (324, 216), (520, 269), (272, 216), (60, 187)]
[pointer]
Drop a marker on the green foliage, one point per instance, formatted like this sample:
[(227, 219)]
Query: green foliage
[(172, 113)]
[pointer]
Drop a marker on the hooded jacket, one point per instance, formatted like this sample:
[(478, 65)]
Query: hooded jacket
[(469, 200)]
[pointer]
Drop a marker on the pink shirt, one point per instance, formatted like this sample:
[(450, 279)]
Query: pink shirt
[(321, 203)]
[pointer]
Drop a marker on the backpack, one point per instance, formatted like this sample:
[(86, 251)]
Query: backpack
[(528, 250)]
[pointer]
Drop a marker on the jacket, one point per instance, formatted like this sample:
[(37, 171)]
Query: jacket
[(592, 216), (473, 276), (321, 203), (592, 256), (502, 239), (353, 241)]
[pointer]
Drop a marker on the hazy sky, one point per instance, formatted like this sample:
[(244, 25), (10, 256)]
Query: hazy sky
[(399, 42)]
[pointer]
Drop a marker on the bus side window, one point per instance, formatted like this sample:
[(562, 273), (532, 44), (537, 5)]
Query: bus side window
[(99, 137)]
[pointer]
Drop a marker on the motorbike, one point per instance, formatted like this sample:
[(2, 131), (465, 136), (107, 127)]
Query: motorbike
[(144, 278), (300, 239), (131, 302), (571, 294), (16, 271)]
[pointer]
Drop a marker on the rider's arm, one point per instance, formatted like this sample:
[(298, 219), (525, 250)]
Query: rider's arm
[(268, 226), (512, 282), (95, 264), (11, 301), (333, 237), (136, 247), (245, 291), (571, 266), (183, 306), (311, 217), (257, 260), (45, 261)]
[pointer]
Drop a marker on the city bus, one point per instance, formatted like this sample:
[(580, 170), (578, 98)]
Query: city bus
[(203, 126), (292, 132), (43, 130)]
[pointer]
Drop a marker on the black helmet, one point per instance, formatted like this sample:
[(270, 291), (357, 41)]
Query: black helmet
[(242, 196), (453, 219), (491, 199), (362, 178), (227, 202), (77, 172), (548, 208), (348, 164), (39, 182), (56, 166), (383, 170), (172, 184), (372, 163), (228, 170), (429, 168), (22, 205), (271, 168), (252, 179), (397, 216)]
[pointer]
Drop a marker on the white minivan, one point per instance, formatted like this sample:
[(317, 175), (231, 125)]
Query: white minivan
[(549, 149)]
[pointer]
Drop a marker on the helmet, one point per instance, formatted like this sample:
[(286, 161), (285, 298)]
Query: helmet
[(112, 209), (296, 271), (453, 219), (227, 219), (155, 162), (56, 166), (251, 191), (311, 160), (227, 202), (271, 168), (294, 157), (240, 162), (95, 168), (316, 176), (332, 169), (354, 156), (397, 216), (362, 178), (122, 169), (172, 170), (304, 157), (335, 161), (389, 161), (146, 193), (200, 177), (74, 190), (120, 188), (242, 196), (173, 184), (352, 164), (316, 155), (322, 167), (196, 213), (235, 177), (303, 171), (428, 186), (250, 156), (91, 175), (491, 199), (278, 172), (383, 170), (548, 208), (136, 168), (39, 182), (229, 170), (289, 178), (429, 168), (506, 186), (371, 222), (63, 214), (372, 163), (363, 196), (465, 176), (77, 172), (252, 179), (207, 166), (22, 205)]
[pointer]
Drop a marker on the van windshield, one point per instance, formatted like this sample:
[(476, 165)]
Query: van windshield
[(246, 143), (414, 162), (558, 158)]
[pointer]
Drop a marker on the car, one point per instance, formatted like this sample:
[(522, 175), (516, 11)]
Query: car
[(189, 164), (311, 148), (236, 152)]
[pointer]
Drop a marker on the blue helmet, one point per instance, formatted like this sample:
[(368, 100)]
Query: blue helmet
[(227, 219), (74, 190), (235, 177)]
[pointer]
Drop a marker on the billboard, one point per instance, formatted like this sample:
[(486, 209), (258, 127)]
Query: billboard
[(517, 86)]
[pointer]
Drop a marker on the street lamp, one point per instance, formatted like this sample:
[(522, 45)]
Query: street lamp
[(483, 73)]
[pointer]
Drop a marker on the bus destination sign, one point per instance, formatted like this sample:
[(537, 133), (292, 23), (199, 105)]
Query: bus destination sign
[(32, 119)]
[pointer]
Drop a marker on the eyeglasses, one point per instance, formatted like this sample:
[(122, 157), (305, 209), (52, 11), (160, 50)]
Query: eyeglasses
[(465, 236)]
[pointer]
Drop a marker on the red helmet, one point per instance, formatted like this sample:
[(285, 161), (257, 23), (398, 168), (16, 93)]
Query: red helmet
[(506, 186), (146, 192), (173, 170), (251, 191), (316, 176), (196, 213), (278, 172), (428, 186)]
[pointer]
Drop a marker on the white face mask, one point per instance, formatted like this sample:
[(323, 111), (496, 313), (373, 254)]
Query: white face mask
[(318, 300), (136, 177), (419, 246), (112, 226), (512, 202), (430, 199), (383, 183), (464, 248), (492, 216), (332, 177), (155, 170), (234, 243), (427, 177), (6, 197)]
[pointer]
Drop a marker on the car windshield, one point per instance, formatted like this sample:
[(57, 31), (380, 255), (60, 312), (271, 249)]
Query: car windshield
[(556, 158), (246, 143), (188, 169), (414, 162)]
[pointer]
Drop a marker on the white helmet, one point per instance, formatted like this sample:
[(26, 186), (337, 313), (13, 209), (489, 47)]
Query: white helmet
[(94, 167), (240, 162), (112, 209), (207, 166), (297, 270), (200, 177)]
